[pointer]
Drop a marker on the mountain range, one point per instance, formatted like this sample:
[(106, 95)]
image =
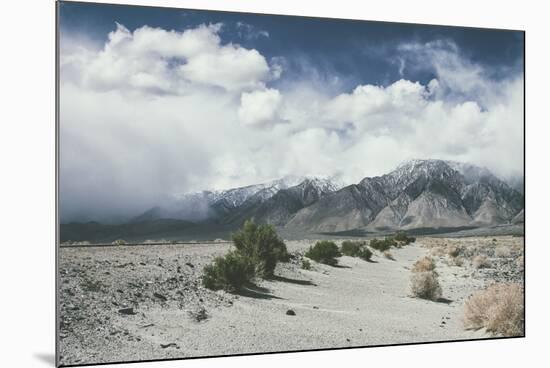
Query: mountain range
[(417, 194)]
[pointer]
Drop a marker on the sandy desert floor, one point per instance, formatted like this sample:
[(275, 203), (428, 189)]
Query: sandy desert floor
[(147, 302)]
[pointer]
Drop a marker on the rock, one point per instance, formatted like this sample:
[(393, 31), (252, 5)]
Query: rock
[(290, 312), (127, 311), (172, 344), (190, 264), (199, 315), (160, 296)]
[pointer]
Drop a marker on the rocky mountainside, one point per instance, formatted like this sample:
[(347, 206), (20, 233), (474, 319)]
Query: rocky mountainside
[(230, 204), (417, 194), (282, 206)]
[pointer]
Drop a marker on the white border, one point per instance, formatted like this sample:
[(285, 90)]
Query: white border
[(27, 202)]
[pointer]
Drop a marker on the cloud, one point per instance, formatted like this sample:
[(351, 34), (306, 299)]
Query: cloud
[(260, 107), (249, 32), (154, 113), (153, 60)]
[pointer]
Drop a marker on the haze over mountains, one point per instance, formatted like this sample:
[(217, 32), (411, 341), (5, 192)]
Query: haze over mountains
[(417, 194)]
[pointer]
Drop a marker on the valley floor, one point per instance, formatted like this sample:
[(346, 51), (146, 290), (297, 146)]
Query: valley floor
[(146, 302)]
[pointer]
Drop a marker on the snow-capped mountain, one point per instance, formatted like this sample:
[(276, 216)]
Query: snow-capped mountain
[(200, 206), (283, 205), (417, 194)]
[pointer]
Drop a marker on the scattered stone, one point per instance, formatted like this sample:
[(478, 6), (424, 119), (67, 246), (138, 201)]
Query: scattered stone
[(160, 296), (172, 344), (127, 311), (190, 264), (199, 315), (290, 312)]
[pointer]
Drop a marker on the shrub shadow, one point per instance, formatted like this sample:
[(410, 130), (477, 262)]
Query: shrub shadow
[(340, 266), (254, 291), (293, 281), (444, 301)]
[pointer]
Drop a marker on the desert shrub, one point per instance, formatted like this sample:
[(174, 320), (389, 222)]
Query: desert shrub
[(454, 251), (356, 249), (351, 248), (502, 252), (424, 265), (119, 242), (324, 251), (382, 245), (481, 261), (402, 237), (228, 273), (456, 261), (437, 251), (499, 309), (261, 246), (365, 253), (389, 255), (306, 265), (425, 285)]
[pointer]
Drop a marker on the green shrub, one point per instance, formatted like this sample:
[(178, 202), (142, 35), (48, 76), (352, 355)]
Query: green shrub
[(324, 252), (306, 265), (356, 249), (365, 253), (382, 245), (351, 248), (261, 246), (119, 242), (228, 273), (402, 237)]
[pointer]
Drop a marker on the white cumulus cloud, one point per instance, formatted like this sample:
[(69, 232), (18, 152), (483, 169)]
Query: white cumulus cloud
[(260, 107)]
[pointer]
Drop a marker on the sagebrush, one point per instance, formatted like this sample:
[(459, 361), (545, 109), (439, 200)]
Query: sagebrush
[(499, 309), (258, 250), (261, 246), (423, 265), (324, 251), (425, 285), (229, 272)]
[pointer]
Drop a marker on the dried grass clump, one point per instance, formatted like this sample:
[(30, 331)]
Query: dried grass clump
[(502, 252), (425, 285), (454, 251), (424, 265), (481, 261), (456, 261), (388, 255), (437, 251), (499, 309)]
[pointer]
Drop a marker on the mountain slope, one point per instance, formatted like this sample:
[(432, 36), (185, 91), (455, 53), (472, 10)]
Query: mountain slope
[(279, 208), (417, 194)]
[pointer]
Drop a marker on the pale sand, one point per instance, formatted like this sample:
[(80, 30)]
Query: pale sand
[(358, 303)]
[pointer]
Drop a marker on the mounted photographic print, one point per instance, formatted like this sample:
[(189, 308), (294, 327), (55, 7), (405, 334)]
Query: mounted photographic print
[(235, 183)]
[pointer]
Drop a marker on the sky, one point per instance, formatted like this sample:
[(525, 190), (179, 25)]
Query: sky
[(157, 102)]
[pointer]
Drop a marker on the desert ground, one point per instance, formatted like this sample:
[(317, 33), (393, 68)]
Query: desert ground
[(142, 302)]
